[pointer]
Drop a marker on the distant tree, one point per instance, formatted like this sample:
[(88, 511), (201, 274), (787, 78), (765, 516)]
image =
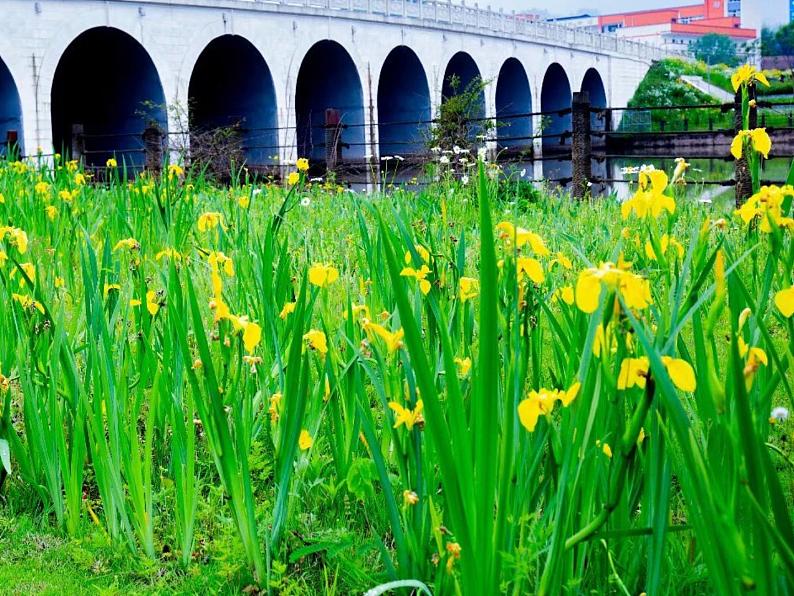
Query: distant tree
[(784, 39), (769, 44), (714, 48)]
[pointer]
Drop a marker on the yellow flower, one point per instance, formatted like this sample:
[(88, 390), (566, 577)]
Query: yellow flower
[(252, 335), (784, 300), (79, 179), (41, 188), (520, 237), (758, 139), (562, 260), (27, 303), (746, 75), (634, 289), (67, 196), (128, 244), (393, 340), (293, 178), (111, 163), (16, 237), (111, 288), (52, 212), (244, 202), (681, 166), (2, 199), (169, 253), (454, 549), (531, 268), (423, 253), (681, 373), (464, 366), (305, 441), (767, 204), (633, 372), (542, 402), (302, 164), (152, 304), (665, 242), (649, 200), (322, 276), (406, 416), (469, 288), (210, 220), (420, 275), (59, 282), (175, 170), (410, 498), (607, 450), (289, 308), (316, 341), (566, 294)]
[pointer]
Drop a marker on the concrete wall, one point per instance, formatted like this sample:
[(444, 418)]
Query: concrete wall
[(35, 35)]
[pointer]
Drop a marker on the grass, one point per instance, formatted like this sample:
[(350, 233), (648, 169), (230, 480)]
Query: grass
[(300, 389), (663, 87)]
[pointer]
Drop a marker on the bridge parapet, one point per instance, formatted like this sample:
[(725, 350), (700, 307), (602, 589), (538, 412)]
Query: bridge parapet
[(444, 15)]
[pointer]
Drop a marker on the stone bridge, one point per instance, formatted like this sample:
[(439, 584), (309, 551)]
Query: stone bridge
[(274, 68)]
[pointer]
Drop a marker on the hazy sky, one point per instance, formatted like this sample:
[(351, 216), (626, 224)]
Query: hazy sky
[(566, 7)]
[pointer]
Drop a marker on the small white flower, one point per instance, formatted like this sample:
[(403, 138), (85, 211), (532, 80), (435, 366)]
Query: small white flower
[(456, 150), (305, 202), (443, 159), (386, 158), (399, 158), (318, 179), (464, 180), (523, 172), (482, 153), (779, 414), (435, 149), (463, 161), (256, 191)]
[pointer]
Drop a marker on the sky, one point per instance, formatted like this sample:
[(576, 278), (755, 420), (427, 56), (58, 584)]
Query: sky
[(568, 7)]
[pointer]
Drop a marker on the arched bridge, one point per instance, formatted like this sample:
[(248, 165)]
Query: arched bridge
[(279, 70)]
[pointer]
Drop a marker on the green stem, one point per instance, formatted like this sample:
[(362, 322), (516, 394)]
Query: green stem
[(625, 453)]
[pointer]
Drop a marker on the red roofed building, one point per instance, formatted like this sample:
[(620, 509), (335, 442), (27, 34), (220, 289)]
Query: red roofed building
[(673, 28)]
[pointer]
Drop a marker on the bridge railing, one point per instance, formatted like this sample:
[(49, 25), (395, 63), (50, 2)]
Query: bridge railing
[(435, 13)]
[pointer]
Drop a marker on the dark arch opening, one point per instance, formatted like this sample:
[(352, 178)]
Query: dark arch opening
[(106, 82), (328, 81), (594, 86), (513, 103), (10, 112), (231, 88), (403, 104), (556, 95), (462, 75)]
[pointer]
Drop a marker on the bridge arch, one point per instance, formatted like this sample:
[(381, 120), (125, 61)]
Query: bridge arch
[(10, 110), (403, 104), (462, 73), (113, 100), (328, 80), (593, 84), (555, 95), (231, 86), (513, 104)]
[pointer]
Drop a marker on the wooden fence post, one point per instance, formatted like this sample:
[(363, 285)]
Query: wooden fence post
[(581, 146), (744, 179), (153, 149)]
